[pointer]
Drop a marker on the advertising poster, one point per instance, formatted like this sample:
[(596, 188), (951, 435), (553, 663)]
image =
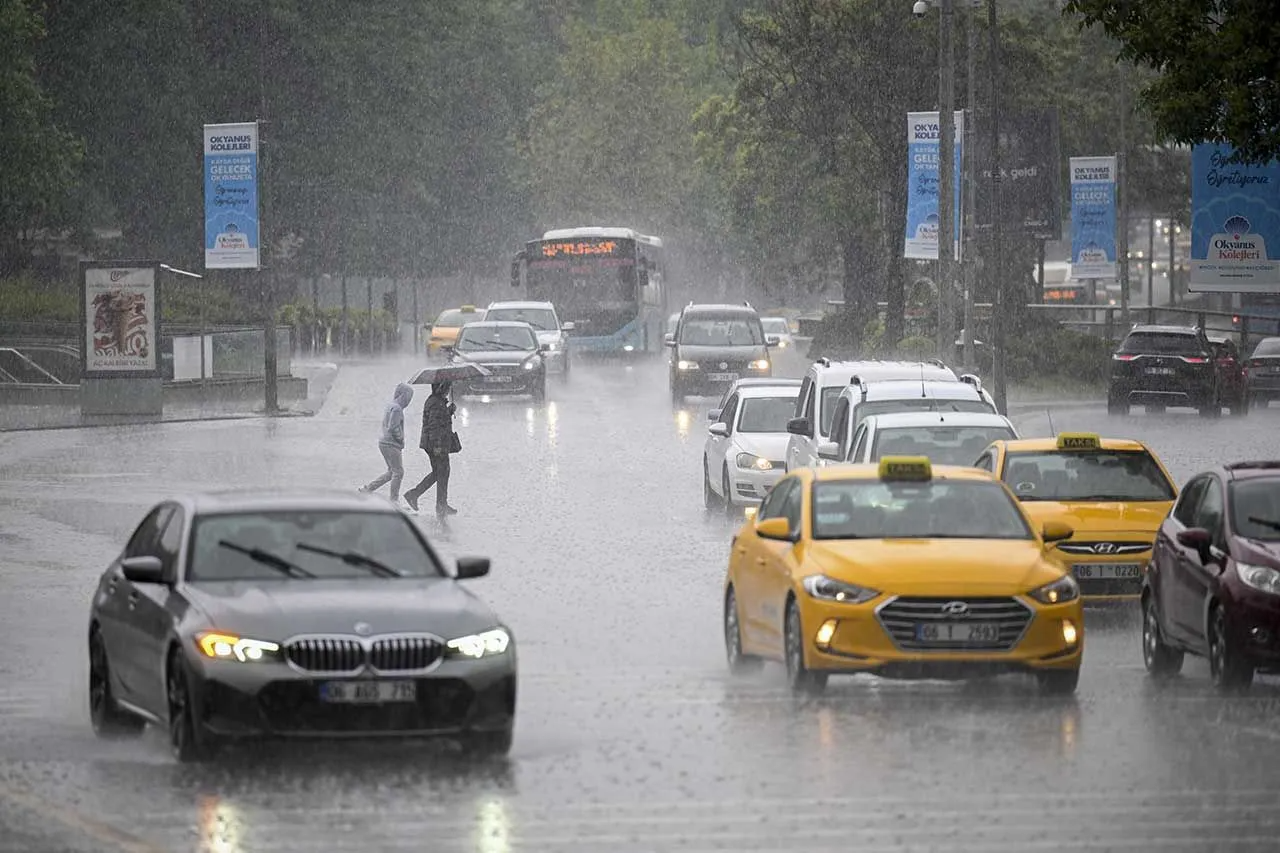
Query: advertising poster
[(1235, 223), (231, 196), (922, 185), (1030, 174), (121, 311), (1093, 218)]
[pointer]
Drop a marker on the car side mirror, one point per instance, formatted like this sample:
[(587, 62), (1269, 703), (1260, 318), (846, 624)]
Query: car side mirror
[(1197, 538), (143, 569), (713, 415), (472, 567), (568, 327), (544, 347), (669, 339), (829, 450), (721, 430), (1056, 531), (774, 528), (799, 426), (772, 340)]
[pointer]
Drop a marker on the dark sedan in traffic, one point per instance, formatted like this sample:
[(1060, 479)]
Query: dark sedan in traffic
[(1213, 586), (511, 357), (239, 615)]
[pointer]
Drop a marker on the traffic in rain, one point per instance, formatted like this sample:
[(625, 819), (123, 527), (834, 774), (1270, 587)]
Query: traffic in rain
[(580, 430)]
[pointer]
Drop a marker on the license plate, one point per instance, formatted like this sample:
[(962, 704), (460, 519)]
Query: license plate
[(368, 692), (958, 632), (723, 377), (1107, 571), (497, 379), (1160, 371)]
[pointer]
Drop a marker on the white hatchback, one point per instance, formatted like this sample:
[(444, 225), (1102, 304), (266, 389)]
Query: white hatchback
[(742, 458), (947, 438), (546, 325)]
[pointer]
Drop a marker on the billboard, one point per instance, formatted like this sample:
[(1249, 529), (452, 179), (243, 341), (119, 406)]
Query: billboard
[(1030, 174), (1235, 223), (1093, 218), (231, 228), (120, 316), (921, 241)]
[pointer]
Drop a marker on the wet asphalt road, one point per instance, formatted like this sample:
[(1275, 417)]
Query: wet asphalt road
[(631, 735)]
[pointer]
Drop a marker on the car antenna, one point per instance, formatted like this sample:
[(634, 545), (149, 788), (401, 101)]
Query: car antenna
[(1053, 433), (922, 389)]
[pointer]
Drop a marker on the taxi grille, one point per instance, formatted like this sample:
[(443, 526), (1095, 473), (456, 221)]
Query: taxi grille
[(412, 653), (1104, 549), (904, 620)]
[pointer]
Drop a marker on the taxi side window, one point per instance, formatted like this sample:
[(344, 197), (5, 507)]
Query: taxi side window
[(1209, 513), (143, 541), (1184, 512), (727, 413), (170, 543), (859, 444), (773, 506)]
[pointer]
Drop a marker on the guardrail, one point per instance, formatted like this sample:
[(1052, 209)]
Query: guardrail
[(1106, 320)]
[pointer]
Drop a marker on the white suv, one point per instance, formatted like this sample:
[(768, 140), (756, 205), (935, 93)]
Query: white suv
[(546, 325), (822, 385), (947, 438), (859, 402)]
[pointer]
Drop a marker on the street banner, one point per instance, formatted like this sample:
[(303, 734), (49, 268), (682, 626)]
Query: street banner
[(1093, 218), (120, 315), (1030, 180), (231, 229), (923, 131), (1235, 223)]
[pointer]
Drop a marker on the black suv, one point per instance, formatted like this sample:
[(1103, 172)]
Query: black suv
[(714, 346), (1164, 366)]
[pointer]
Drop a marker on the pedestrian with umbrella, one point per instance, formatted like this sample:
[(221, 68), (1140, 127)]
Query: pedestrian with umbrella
[(391, 442), (438, 440)]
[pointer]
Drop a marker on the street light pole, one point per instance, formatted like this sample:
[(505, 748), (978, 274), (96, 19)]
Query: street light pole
[(946, 182), (970, 185), (995, 262), (272, 401)]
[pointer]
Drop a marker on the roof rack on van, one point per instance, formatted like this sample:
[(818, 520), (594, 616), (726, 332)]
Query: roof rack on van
[(823, 360), (936, 362), (972, 379)]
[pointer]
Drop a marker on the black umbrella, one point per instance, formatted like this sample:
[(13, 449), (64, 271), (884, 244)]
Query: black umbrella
[(449, 373)]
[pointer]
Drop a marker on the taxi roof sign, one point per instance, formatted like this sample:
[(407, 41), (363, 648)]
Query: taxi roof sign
[(1079, 441), (468, 309), (906, 468)]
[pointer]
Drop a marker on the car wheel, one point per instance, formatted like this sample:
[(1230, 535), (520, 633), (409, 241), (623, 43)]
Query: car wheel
[(1241, 407), (739, 663), (107, 717), (1058, 682), (726, 488), (187, 738), (567, 361), (677, 398), (488, 744), (540, 391), (1116, 406), (709, 498), (803, 681), (1230, 671), (1161, 660), (1211, 410)]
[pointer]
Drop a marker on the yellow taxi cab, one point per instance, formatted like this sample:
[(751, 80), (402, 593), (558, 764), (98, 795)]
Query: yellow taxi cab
[(904, 570), (444, 331), (1114, 493)]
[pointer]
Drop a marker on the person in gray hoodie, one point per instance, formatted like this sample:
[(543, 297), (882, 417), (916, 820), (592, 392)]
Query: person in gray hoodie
[(391, 442)]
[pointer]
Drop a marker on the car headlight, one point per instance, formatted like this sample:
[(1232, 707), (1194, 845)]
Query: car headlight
[(528, 365), (686, 365), (750, 460), (221, 646), (1261, 578), (1062, 590), (493, 642), (830, 589), (760, 364)]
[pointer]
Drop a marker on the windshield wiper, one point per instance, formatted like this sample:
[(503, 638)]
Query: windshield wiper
[(352, 558), (266, 558), (1265, 522)]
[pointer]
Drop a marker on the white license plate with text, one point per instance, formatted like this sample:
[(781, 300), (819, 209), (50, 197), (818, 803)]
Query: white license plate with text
[(497, 379), (723, 377), (368, 692), (1160, 371), (958, 632), (1107, 571)]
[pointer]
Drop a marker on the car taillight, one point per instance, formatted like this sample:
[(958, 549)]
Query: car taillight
[(1194, 359), (1125, 357)]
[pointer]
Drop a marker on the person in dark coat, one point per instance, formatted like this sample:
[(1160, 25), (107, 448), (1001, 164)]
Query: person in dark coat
[(437, 441)]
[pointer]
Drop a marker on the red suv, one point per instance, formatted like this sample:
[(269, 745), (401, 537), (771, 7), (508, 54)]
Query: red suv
[(1213, 585)]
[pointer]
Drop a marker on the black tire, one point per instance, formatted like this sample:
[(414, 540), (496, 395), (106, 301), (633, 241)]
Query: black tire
[(727, 487), (567, 361), (739, 662), (802, 680), (108, 719), (188, 739), (1058, 682), (1161, 660), (488, 744), (1116, 406), (709, 499), (1241, 407), (540, 391), (1211, 409), (1231, 671), (677, 397)]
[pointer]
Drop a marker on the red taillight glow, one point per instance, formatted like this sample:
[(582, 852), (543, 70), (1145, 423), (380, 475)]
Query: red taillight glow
[(1191, 359), (1123, 357)]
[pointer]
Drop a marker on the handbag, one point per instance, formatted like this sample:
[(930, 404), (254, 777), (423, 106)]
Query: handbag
[(455, 443)]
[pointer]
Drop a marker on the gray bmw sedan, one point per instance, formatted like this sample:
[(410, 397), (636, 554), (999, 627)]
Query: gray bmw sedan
[(309, 614)]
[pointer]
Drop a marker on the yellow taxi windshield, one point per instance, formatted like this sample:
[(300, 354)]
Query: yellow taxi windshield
[(934, 509), (1089, 475)]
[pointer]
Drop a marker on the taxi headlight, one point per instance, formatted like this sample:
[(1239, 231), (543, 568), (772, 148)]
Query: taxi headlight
[(1261, 578), (220, 646), (1062, 590), (493, 642), (760, 364), (750, 460), (686, 365), (830, 589)]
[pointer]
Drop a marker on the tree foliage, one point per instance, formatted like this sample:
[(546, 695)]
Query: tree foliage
[(1218, 64)]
